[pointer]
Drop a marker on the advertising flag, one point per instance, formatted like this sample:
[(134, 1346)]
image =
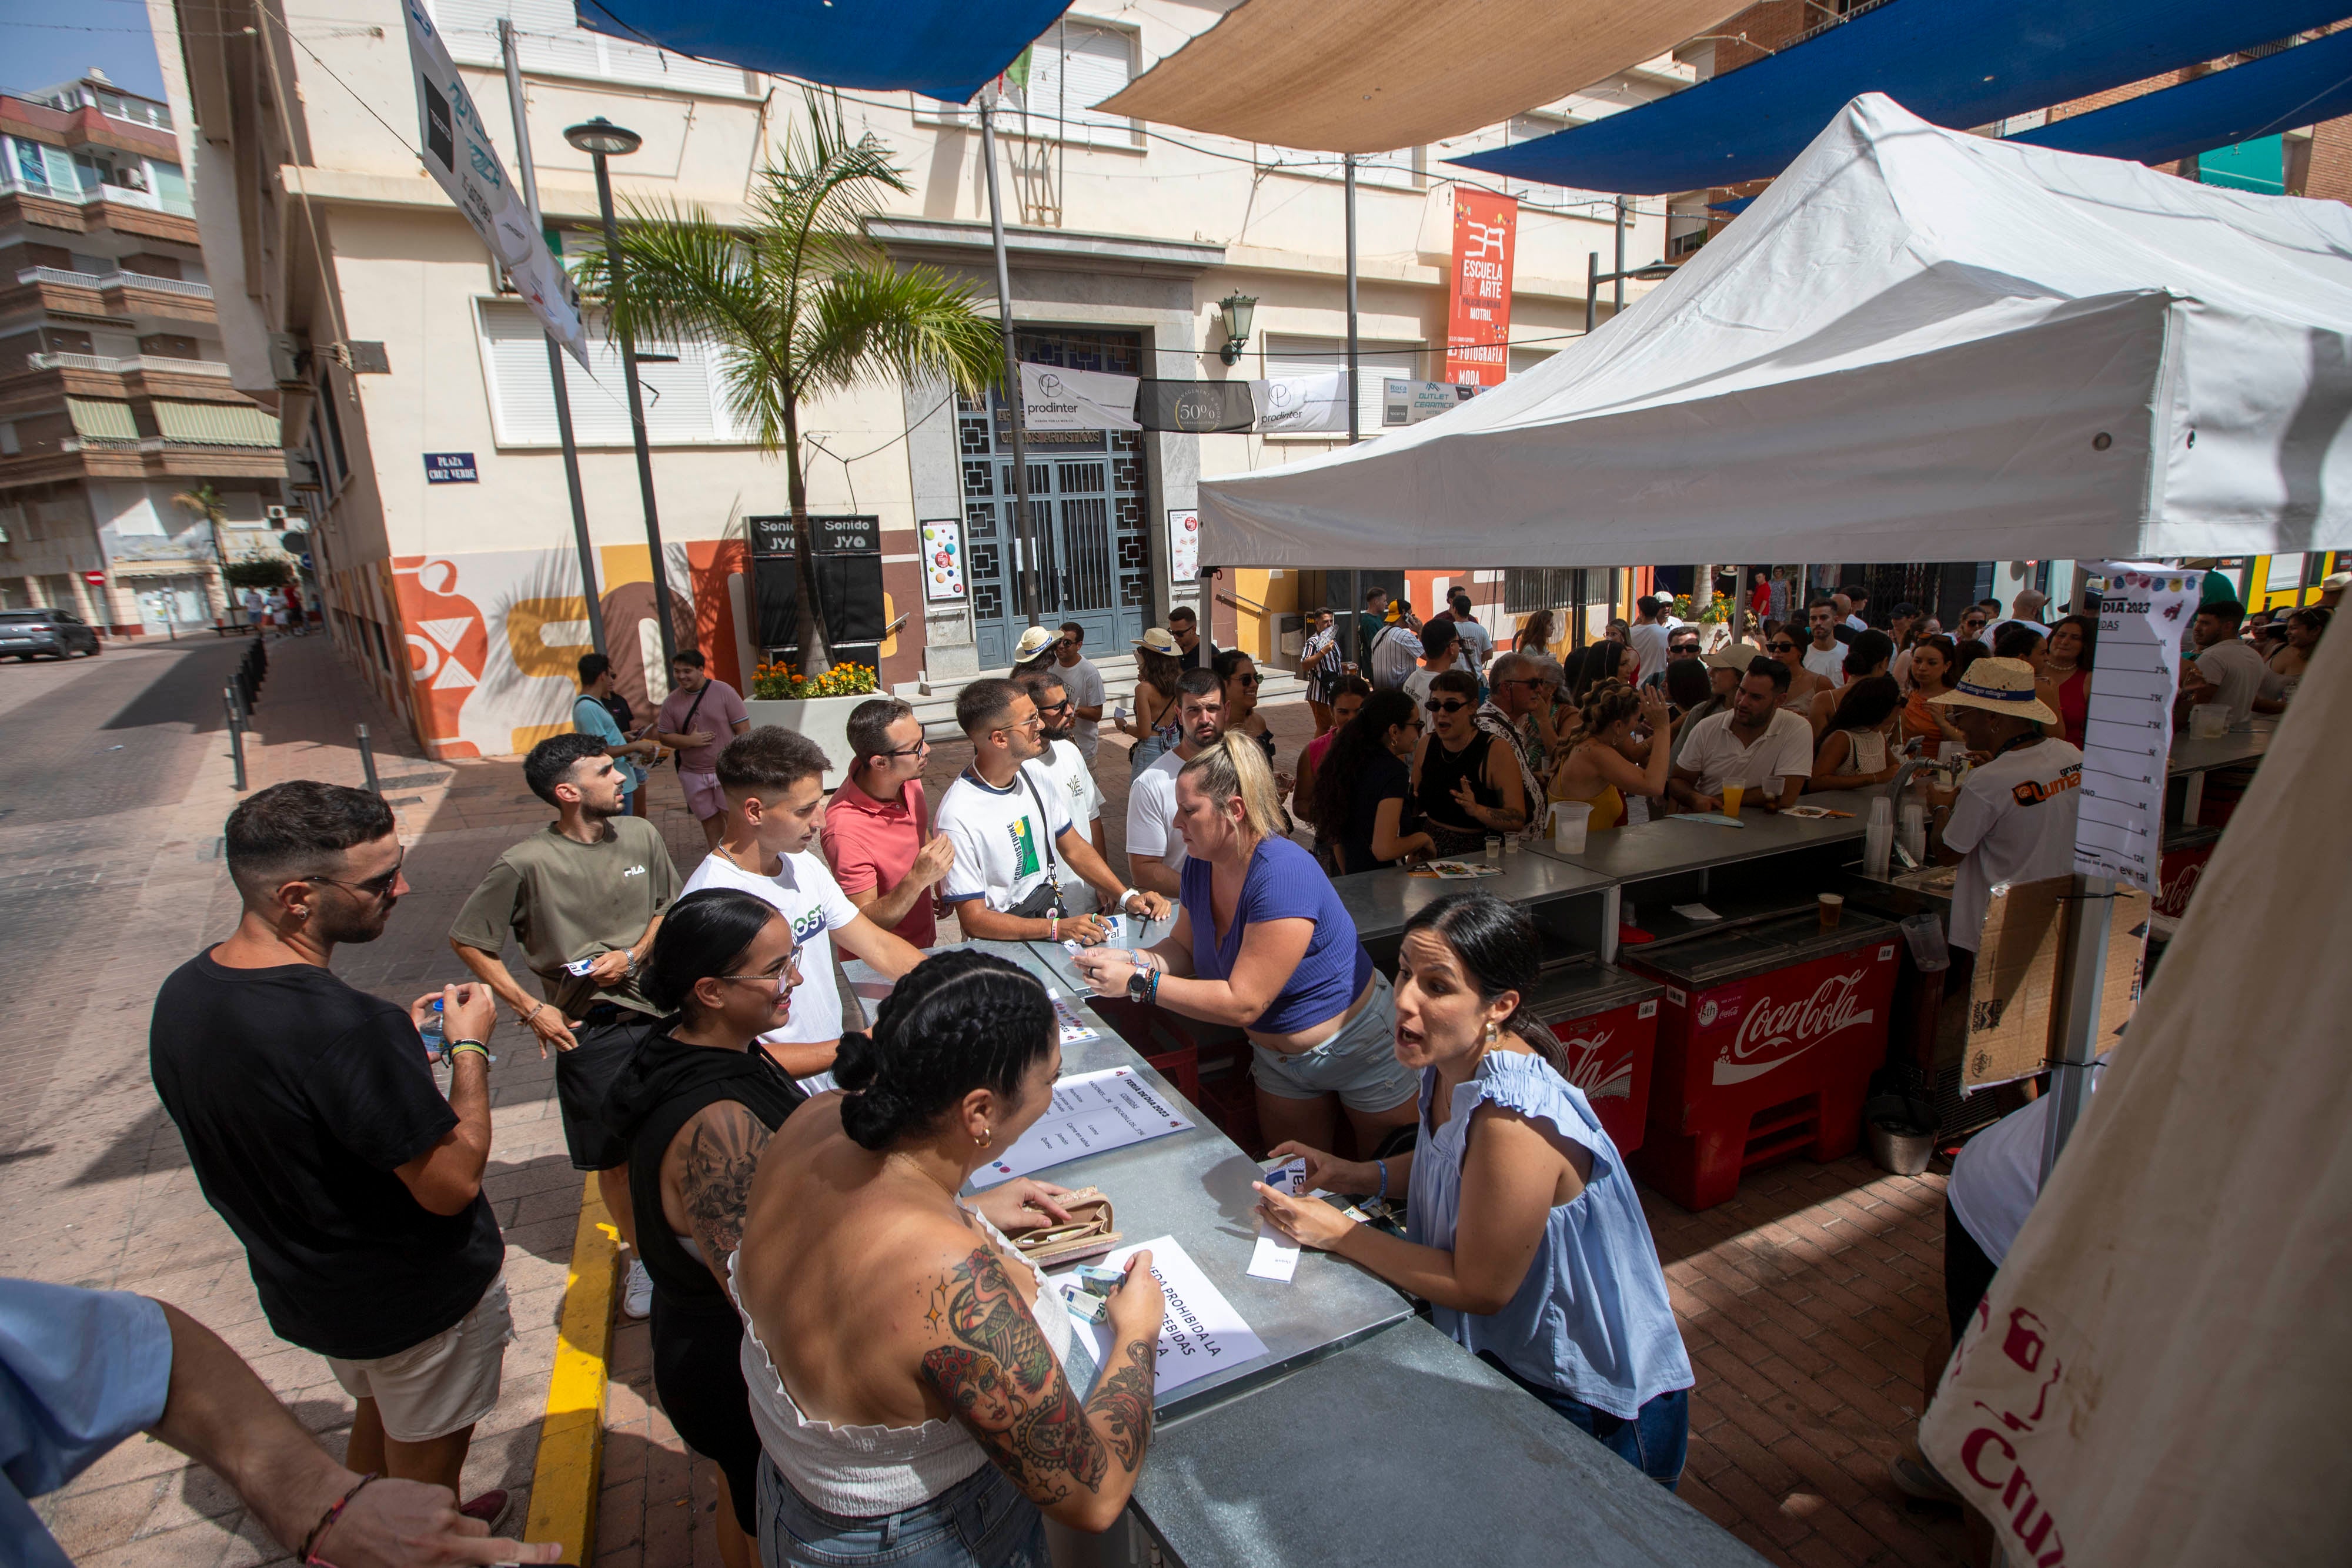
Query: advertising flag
[(1479, 325)]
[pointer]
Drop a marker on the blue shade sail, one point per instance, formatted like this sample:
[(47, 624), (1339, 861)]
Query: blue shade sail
[(1960, 63), (2246, 106), (940, 48)]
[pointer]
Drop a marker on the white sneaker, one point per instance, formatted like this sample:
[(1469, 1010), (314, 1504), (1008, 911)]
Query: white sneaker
[(637, 1294)]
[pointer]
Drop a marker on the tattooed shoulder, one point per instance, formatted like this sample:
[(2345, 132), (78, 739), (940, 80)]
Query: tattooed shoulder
[(992, 1365), (721, 1154)]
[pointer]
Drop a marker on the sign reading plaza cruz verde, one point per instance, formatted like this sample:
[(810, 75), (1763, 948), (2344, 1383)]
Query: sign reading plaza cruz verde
[(451, 469)]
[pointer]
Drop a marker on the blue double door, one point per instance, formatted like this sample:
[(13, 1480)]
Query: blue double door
[(1088, 493)]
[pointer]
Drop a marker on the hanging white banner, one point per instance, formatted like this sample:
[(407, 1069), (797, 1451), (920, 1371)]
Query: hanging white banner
[(2128, 736), (1411, 402), (1302, 406), (1053, 398), (459, 151)]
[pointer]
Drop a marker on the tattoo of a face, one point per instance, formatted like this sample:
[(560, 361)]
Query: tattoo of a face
[(721, 1156), (998, 1375), (1123, 1399)]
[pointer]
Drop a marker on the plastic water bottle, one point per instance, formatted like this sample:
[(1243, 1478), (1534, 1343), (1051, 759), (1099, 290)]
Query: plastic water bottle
[(1878, 838), (433, 1031)]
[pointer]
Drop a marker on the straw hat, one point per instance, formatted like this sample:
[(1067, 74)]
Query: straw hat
[(1034, 642), (1158, 641), (2004, 686), (1732, 657)]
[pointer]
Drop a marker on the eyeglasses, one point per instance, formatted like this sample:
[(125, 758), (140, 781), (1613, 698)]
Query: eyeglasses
[(791, 972), (1247, 680), (374, 887), (1035, 721), (1435, 706), (920, 747)]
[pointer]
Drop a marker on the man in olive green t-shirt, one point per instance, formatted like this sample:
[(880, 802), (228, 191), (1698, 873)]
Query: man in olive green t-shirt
[(588, 888)]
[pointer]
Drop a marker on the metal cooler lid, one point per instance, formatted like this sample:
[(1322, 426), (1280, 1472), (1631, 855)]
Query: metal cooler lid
[(1709, 961), (2183, 836), (1586, 987)]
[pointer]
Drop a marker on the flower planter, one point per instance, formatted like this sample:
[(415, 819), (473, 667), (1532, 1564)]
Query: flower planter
[(825, 720)]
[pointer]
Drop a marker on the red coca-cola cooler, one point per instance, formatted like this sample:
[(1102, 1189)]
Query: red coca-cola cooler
[(1767, 1039), (1606, 1021), (2185, 851)]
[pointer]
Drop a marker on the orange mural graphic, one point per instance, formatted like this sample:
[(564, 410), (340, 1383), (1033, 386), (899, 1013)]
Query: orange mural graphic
[(448, 646)]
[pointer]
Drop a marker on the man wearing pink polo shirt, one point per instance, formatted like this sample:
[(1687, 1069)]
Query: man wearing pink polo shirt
[(699, 717), (878, 837)]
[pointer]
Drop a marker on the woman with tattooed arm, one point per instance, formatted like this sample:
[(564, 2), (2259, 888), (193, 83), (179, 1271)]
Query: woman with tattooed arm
[(921, 1392), (694, 1107)]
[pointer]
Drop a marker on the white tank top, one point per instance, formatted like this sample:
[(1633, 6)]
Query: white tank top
[(858, 1472)]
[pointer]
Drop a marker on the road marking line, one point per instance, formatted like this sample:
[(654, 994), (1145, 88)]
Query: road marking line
[(566, 1480)]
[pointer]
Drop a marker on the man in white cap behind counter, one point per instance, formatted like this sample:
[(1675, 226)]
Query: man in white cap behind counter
[(2013, 817)]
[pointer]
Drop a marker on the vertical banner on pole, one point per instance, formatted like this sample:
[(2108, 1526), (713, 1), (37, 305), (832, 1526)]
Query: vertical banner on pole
[(1478, 322), (2127, 735)]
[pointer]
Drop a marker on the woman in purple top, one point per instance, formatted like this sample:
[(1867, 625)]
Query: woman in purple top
[(1262, 943)]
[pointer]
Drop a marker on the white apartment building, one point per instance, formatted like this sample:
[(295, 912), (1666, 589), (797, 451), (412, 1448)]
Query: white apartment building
[(352, 291)]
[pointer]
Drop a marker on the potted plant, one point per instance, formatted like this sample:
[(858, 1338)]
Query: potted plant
[(817, 706)]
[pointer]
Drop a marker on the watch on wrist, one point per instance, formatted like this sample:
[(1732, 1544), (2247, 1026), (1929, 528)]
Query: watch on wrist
[(1139, 984)]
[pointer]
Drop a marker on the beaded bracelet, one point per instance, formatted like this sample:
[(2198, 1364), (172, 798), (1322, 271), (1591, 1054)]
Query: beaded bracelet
[(1383, 1195), (318, 1532), (457, 1048)]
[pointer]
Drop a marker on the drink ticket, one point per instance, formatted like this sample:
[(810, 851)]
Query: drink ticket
[(581, 966), (1276, 1256)]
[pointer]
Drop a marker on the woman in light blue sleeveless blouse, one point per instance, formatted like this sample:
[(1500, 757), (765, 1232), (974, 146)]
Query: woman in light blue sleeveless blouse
[(1523, 1229)]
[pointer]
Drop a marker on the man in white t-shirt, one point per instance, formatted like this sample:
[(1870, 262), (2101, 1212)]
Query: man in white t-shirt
[(1825, 655), (1066, 767), (773, 779), (1858, 608), (1085, 685), (1440, 649), (1758, 744), (1648, 636), (1155, 850), (2013, 817), (1017, 856), (2226, 670)]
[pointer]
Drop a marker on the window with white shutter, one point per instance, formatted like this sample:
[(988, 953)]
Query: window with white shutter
[(549, 41), (1376, 362), (685, 402)]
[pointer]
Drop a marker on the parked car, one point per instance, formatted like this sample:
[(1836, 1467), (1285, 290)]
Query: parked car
[(59, 633)]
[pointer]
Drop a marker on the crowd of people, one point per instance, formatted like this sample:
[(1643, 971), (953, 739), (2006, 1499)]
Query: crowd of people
[(781, 1178)]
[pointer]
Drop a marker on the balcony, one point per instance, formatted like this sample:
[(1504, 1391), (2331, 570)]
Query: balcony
[(113, 376), (129, 364), (13, 183), (119, 298), (114, 281)]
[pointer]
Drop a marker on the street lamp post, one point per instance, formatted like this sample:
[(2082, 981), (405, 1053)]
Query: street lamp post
[(601, 140)]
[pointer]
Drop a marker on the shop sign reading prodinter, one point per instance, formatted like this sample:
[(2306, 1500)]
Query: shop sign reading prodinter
[(1478, 324)]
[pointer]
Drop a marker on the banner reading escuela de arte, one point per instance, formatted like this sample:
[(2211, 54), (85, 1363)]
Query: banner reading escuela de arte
[(1053, 398), (458, 153), (1478, 322)]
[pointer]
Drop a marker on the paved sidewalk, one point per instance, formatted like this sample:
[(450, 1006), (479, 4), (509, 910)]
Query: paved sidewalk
[(102, 1194)]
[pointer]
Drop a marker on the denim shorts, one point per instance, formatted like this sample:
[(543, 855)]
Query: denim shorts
[(1656, 1441), (982, 1521), (1359, 1063)]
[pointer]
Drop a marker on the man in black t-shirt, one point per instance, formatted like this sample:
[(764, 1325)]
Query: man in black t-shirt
[(315, 1129)]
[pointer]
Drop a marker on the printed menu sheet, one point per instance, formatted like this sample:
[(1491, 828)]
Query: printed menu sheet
[(1092, 1111), (1202, 1333), (2127, 739)]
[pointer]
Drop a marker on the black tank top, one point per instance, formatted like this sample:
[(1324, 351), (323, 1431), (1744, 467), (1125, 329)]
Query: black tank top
[(1441, 770), (663, 1088)]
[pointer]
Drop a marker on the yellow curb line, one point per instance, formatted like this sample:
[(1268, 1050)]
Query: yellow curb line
[(566, 1480)]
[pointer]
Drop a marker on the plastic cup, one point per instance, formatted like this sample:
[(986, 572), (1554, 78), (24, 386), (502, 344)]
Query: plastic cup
[(1832, 906), (1731, 797), (1569, 821), (1494, 850)]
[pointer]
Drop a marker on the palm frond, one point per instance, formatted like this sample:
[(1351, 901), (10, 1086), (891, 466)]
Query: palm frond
[(873, 320)]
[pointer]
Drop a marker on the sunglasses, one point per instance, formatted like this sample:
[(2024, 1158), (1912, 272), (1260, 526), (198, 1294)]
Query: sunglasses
[(1780, 647), (378, 887), (1248, 680), (1435, 706)]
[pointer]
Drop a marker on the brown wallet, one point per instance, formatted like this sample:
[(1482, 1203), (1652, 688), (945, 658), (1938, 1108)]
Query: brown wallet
[(1090, 1231)]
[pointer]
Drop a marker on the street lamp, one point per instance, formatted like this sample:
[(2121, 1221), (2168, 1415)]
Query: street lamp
[(1236, 310), (601, 140)]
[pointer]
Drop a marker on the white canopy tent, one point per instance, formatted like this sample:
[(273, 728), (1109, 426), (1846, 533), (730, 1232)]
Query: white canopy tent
[(1917, 345)]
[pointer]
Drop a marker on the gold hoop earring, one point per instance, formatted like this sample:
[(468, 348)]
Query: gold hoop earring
[(1492, 1034), (986, 1134)]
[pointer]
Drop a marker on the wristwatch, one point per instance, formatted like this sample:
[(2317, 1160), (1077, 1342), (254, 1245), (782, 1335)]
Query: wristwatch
[(1139, 985)]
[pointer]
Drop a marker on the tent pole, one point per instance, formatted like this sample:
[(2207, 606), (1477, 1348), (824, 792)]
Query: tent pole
[(590, 599), (1592, 290), (1348, 162), (1738, 600), (1023, 530), (1617, 286), (2088, 917), (1583, 593)]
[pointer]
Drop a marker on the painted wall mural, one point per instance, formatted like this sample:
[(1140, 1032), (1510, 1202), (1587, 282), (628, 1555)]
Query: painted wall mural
[(494, 637)]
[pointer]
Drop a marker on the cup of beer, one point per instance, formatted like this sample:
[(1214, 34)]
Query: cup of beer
[(1731, 797), (1832, 906)]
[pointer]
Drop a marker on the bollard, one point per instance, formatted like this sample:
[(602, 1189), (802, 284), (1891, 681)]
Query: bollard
[(367, 760), (235, 735)]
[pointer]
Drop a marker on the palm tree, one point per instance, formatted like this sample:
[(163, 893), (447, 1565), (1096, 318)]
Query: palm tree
[(206, 503), (800, 301)]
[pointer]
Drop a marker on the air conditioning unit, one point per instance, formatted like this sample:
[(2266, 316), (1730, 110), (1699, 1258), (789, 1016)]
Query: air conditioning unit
[(290, 361)]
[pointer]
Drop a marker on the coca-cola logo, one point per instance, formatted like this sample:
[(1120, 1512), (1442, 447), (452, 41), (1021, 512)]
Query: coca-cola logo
[(1771, 1029), (1601, 1077), (2172, 894)]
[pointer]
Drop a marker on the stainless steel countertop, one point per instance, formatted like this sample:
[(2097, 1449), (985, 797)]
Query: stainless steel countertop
[(1409, 1450), (2193, 755), (1663, 847), (1381, 901), (1195, 1186)]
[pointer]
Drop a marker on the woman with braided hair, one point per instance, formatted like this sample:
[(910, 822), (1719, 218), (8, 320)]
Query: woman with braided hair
[(917, 1385), (1600, 768)]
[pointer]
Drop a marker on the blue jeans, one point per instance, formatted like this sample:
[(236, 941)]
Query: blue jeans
[(1656, 1441), (982, 1521)]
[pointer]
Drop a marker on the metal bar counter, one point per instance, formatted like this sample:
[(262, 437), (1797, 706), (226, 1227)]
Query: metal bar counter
[(1195, 1186), (2192, 759), (1663, 847), (1381, 901), (1407, 1449)]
